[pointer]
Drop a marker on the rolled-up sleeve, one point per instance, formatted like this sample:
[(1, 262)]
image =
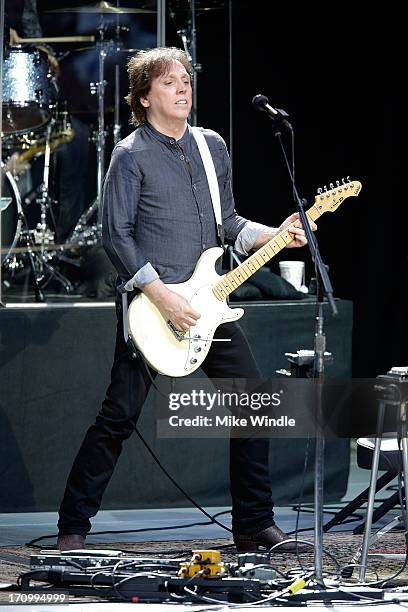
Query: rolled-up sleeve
[(121, 193)]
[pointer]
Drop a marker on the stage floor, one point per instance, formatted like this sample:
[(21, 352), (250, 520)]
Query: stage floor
[(340, 545)]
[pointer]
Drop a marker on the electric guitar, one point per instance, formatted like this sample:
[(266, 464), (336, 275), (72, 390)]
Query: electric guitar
[(176, 353)]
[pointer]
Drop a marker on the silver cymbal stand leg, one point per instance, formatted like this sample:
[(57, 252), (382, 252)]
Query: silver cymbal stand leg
[(44, 201), (196, 67), (188, 37), (101, 137), (40, 261), (116, 123)]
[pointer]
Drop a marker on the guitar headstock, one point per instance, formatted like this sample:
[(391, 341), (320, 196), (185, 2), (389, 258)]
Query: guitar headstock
[(328, 200)]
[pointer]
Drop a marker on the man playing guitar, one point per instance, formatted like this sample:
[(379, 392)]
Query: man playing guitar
[(157, 220)]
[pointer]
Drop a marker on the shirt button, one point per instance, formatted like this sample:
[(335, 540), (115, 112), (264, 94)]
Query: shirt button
[(172, 141), (201, 215), (182, 157), (194, 186), (204, 246)]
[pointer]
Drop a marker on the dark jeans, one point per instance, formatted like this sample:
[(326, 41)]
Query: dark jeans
[(93, 467)]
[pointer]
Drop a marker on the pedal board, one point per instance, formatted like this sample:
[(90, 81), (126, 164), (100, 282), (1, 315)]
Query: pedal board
[(95, 559)]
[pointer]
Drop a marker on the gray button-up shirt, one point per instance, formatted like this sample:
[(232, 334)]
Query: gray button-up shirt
[(157, 215)]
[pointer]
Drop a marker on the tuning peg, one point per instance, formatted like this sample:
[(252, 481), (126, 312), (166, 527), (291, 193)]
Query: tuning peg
[(331, 186), (343, 181), (338, 183), (325, 187), (348, 179), (320, 191)]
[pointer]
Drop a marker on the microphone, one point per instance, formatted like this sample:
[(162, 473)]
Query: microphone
[(261, 103)]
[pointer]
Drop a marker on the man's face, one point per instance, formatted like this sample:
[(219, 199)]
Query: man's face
[(169, 98)]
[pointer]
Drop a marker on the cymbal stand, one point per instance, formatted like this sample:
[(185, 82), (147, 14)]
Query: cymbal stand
[(195, 65), (39, 261), (82, 233), (116, 122), (44, 199), (188, 37), (103, 47)]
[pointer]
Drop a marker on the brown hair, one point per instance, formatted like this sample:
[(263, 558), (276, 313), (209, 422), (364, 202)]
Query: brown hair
[(143, 68)]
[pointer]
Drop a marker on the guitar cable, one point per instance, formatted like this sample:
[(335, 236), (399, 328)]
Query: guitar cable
[(212, 519), (135, 354)]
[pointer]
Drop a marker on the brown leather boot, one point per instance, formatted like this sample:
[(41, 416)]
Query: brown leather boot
[(71, 542), (267, 538)]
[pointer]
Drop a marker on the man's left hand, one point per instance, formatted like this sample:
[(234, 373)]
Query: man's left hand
[(298, 233)]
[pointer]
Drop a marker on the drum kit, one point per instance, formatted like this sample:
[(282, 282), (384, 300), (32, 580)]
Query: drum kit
[(34, 125)]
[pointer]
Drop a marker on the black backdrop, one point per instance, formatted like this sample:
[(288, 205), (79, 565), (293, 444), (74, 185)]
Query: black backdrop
[(338, 69)]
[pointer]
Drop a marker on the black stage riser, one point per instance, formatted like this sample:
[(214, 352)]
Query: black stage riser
[(55, 365)]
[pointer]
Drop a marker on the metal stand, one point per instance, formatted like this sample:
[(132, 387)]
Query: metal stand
[(82, 233), (279, 120), (39, 261), (361, 499), (391, 397), (116, 119), (188, 35), (103, 47)]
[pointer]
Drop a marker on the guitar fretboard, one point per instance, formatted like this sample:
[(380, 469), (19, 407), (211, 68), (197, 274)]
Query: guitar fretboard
[(233, 279)]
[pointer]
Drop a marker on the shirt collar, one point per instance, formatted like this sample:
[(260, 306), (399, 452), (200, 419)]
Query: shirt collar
[(168, 139)]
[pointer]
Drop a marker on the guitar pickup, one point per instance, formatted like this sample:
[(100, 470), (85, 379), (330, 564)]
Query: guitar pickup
[(177, 333)]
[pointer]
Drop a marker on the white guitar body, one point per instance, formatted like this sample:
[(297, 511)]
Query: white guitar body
[(166, 350), (153, 337)]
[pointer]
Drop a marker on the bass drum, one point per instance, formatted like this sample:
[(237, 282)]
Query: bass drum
[(29, 93), (11, 214)]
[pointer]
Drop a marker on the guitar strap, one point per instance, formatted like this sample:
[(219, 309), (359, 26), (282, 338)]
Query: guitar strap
[(216, 202), (211, 179)]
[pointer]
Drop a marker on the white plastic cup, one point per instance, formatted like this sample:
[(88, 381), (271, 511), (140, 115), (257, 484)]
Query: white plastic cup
[(293, 272)]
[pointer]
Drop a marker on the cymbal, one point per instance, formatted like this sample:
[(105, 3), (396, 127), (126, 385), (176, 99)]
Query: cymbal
[(114, 50), (102, 7)]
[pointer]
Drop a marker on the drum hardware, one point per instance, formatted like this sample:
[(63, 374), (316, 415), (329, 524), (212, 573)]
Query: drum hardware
[(44, 271), (188, 35), (82, 233), (32, 143), (39, 257), (38, 245), (33, 129), (116, 121), (37, 147), (103, 46)]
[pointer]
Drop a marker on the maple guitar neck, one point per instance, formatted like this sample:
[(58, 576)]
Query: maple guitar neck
[(328, 201)]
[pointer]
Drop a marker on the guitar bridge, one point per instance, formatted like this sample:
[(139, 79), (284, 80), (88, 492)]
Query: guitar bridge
[(177, 333)]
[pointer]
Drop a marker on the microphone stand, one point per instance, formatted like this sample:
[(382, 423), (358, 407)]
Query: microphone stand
[(280, 120)]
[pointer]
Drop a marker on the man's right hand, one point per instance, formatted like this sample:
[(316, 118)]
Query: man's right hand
[(171, 305)]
